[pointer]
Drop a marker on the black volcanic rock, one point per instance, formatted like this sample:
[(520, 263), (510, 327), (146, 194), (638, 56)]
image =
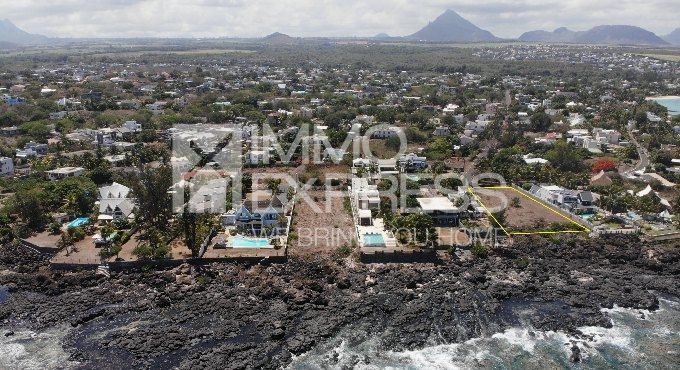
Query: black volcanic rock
[(243, 316), (616, 34), (673, 37), (11, 34), (452, 27)]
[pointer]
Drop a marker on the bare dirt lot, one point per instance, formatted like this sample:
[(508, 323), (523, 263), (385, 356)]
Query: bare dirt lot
[(522, 214), (321, 224)]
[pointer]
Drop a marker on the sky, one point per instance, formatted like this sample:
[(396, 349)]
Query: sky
[(332, 18)]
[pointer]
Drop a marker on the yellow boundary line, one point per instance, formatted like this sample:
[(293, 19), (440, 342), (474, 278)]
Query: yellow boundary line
[(584, 229), (472, 192)]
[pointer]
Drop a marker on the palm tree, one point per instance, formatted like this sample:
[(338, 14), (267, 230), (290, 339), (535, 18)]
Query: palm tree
[(71, 205)]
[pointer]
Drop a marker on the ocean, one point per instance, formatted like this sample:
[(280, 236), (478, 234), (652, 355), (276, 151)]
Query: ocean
[(671, 103), (639, 339)]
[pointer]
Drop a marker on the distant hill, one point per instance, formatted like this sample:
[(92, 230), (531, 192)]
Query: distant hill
[(561, 34), (12, 34), (673, 37), (616, 34), (8, 45), (382, 36), (452, 27), (279, 38)]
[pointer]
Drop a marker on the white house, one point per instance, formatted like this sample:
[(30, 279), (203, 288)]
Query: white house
[(386, 133), (261, 209), (607, 136), (477, 127), (441, 209), (31, 149), (554, 194), (64, 172), (133, 126), (531, 159), (6, 166), (412, 162), (114, 202), (256, 157), (365, 196), (651, 117), (450, 108)]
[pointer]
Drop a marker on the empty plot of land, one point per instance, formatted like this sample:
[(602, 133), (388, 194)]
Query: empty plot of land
[(321, 225), (450, 236), (521, 212)]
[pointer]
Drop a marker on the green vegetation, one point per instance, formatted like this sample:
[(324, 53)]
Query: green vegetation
[(479, 250)]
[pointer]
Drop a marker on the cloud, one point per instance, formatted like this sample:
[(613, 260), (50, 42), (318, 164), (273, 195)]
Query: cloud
[(246, 18)]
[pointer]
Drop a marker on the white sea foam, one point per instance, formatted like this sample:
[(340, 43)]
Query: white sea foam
[(633, 340), (29, 350)]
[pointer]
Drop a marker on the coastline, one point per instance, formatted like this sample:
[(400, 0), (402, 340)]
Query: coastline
[(240, 316), (662, 97), (640, 337)]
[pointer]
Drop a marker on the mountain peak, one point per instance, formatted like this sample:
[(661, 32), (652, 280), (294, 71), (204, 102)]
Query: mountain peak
[(9, 32), (279, 38), (451, 27), (673, 37)]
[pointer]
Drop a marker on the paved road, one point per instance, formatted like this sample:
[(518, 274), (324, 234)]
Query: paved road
[(643, 162)]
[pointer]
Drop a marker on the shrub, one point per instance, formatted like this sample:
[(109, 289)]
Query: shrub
[(344, 251), (479, 250), (78, 234), (55, 228)]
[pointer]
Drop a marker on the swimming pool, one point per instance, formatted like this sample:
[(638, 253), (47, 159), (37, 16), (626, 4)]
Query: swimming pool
[(80, 221), (374, 240), (240, 242)]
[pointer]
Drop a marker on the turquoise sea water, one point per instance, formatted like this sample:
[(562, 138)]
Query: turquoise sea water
[(239, 242), (673, 104), (638, 340)]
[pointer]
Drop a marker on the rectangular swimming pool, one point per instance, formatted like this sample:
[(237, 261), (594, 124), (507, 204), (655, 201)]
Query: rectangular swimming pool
[(374, 240), (240, 242), (80, 221)]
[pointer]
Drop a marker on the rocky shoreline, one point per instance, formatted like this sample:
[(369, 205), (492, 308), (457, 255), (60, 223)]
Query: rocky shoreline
[(239, 317)]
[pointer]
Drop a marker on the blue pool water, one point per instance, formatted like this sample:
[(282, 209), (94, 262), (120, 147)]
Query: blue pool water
[(374, 240), (80, 221), (239, 242), (671, 103)]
